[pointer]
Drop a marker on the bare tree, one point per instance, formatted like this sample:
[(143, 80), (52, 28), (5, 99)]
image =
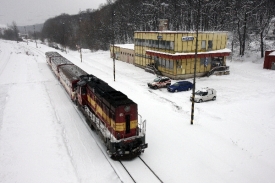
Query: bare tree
[(15, 31)]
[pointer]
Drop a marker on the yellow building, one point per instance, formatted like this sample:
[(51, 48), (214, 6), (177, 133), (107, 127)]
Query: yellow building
[(173, 52)]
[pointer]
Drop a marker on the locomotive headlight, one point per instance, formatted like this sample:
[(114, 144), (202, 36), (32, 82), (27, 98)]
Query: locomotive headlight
[(120, 114), (127, 108)]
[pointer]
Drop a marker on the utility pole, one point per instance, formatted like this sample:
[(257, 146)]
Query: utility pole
[(64, 36), (26, 35), (34, 35), (195, 64), (80, 39), (113, 15)]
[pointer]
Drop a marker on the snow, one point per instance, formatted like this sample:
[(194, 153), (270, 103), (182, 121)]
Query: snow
[(225, 50), (127, 46), (44, 138)]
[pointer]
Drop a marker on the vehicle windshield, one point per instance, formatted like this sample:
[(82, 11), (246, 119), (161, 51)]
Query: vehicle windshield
[(176, 84), (199, 92), (157, 80)]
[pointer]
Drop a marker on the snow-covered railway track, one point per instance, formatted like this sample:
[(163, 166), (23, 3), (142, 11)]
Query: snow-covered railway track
[(136, 170), (140, 171)]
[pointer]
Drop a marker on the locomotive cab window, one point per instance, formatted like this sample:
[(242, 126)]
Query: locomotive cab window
[(83, 91), (127, 121)]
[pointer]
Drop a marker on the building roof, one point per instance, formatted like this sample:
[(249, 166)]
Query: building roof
[(127, 46), (181, 32)]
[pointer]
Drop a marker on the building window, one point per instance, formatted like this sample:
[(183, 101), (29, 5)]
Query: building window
[(162, 44), (210, 44), (172, 45), (167, 45), (163, 62), (171, 64), (147, 43), (203, 44), (202, 61)]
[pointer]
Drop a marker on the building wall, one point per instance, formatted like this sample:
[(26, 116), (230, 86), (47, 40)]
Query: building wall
[(127, 55), (269, 59), (123, 54), (116, 51)]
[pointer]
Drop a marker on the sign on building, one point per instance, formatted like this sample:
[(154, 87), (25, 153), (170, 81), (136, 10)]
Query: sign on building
[(187, 38)]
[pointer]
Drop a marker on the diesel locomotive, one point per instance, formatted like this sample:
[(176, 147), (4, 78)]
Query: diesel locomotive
[(109, 112)]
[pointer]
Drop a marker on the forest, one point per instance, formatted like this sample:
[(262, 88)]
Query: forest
[(116, 21)]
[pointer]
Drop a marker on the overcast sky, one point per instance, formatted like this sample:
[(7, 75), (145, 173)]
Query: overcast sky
[(29, 12)]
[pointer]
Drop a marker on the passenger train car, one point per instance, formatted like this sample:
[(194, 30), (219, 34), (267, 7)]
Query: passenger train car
[(50, 55), (57, 62), (69, 75), (108, 111)]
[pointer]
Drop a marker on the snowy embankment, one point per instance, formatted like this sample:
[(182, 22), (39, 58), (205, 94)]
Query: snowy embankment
[(43, 139)]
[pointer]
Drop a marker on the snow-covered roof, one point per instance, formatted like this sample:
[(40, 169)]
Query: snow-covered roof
[(127, 46), (225, 50), (272, 53), (185, 32)]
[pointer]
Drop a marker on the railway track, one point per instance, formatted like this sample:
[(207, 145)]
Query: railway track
[(139, 171), (136, 170)]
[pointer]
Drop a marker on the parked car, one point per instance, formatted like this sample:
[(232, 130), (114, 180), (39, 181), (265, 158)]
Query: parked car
[(204, 94), (180, 86), (160, 82)]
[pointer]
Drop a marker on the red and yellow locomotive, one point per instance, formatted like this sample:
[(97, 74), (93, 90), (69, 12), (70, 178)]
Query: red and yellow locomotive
[(114, 115)]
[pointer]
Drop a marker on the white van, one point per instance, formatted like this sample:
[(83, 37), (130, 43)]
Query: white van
[(204, 94)]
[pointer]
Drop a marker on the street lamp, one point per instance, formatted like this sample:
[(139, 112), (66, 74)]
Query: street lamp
[(164, 5)]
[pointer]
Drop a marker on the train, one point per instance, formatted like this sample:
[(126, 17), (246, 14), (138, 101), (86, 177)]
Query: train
[(109, 112)]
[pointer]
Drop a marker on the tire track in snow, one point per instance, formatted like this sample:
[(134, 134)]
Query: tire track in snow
[(64, 137), (174, 105), (5, 57)]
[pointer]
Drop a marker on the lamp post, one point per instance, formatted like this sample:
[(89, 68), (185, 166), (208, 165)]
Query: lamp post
[(113, 14), (195, 64)]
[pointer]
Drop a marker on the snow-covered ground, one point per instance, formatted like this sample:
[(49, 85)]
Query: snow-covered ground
[(43, 138)]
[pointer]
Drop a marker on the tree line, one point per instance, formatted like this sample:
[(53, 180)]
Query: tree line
[(11, 33), (117, 20)]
